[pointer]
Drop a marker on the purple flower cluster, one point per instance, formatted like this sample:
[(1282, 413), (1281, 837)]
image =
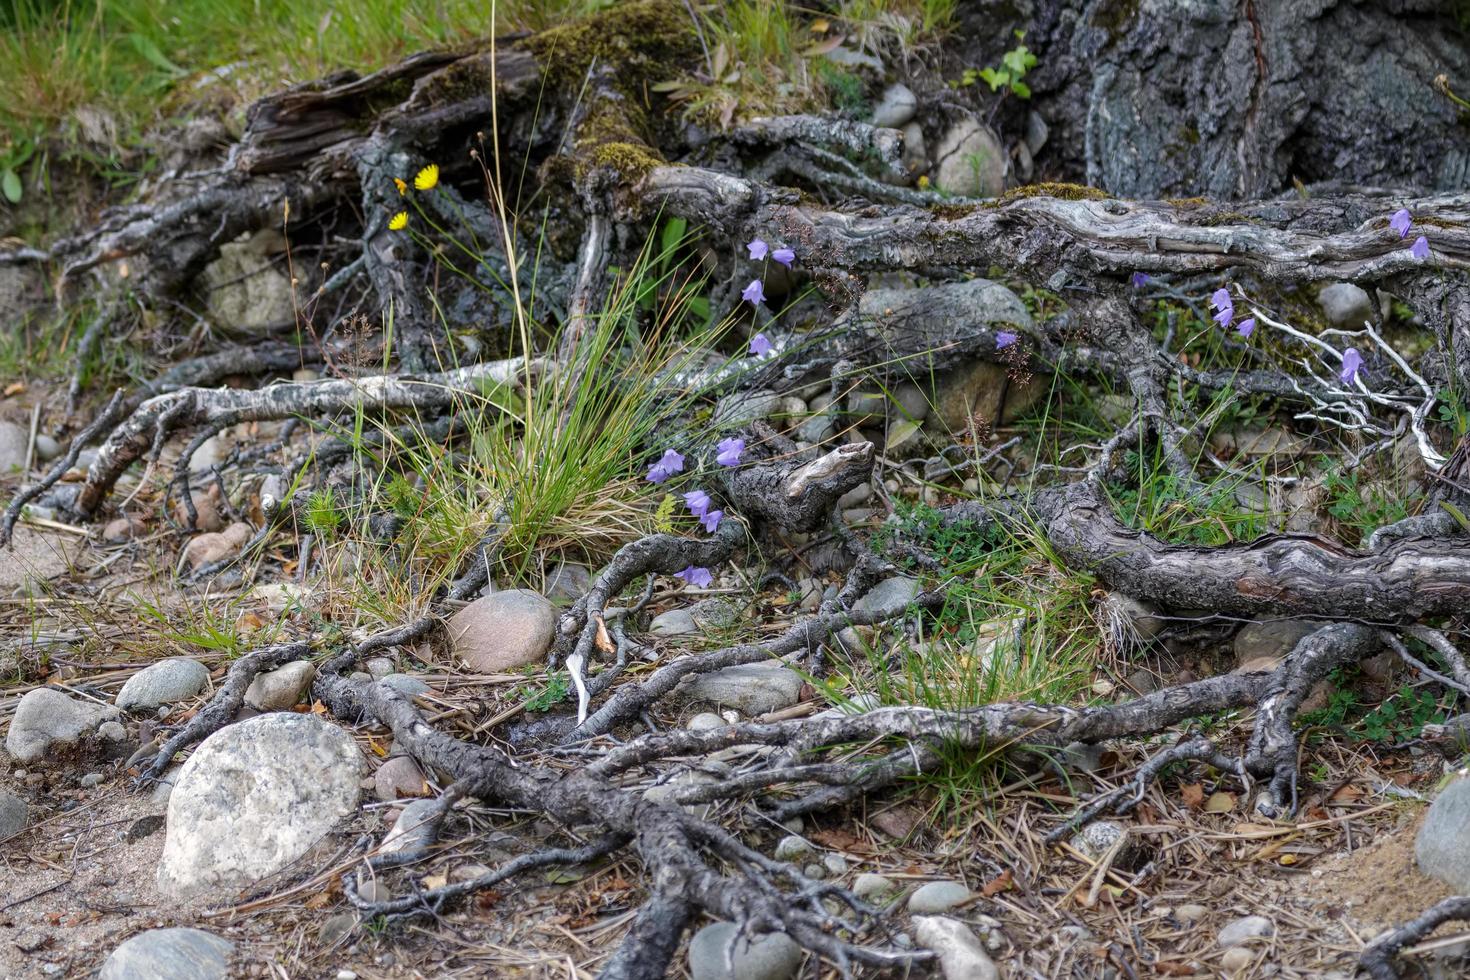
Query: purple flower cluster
[(755, 293), (1225, 312), (698, 503), (1004, 339), (1400, 224), (1139, 279), (701, 577), (668, 464), (761, 346)]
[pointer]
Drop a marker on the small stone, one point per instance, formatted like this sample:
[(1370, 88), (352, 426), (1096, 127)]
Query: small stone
[(398, 776), (170, 954), (814, 871), (1271, 640), (280, 689), (835, 864), (1442, 847), (915, 149), (413, 828), (1346, 305), (380, 667), (14, 441), (970, 161), (674, 622), (206, 549), (1244, 929), (1099, 837), (891, 593), (12, 814), (45, 718), (90, 780), (269, 786), (207, 511), (938, 896), (869, 885), (1236, 958), (112, 731), (772, 956), (705, 721), (144, 827), (1103, 687), (47, 448), (123, 529), (1190, 914), (790, 848), (752, 689), (407, 684), (961, 954), (346, 975), (896, 106), (568, 581), (503, 630), (737, 410), (165, 682), (336, 928)]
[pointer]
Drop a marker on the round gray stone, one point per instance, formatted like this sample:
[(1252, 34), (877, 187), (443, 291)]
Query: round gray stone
[(407, 684), (1442, 847), (46, 718), (12, 814), (896, 106), (870, 885), (254, 797), (1346, 305), (961, 954), (165, 682), (280, 689), (170, 954), (938, 896), (752, 689), (773, 956)]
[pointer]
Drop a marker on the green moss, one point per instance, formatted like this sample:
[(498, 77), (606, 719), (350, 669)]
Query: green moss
[(464, 79), (1226, 218), (630, 160), (1187, 202), (647, 40), (1060, 191), (953, 212), (614, 135)]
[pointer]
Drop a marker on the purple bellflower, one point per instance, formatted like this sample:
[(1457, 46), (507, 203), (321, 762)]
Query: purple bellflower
[(1400, 222), (785, 256), (730, 452), (1004, 339), (754, 293), (1351, 362), (761, 346), (696, 576), (1420, 248), (758, 249)]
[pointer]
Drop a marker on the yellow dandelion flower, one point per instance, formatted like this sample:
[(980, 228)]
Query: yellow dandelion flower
[(923, 183), (402, 187), (399, 221), (427, 178)]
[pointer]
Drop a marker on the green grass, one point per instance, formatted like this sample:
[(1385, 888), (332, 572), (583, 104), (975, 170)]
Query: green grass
[(128, 62)]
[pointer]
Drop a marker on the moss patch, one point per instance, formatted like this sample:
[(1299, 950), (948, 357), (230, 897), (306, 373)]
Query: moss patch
[(1062, 192), (649, 40)]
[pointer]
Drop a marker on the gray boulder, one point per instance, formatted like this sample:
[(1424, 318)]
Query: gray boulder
[(773, 956), (46, 718), (254, 797), (165, 682), (170, 954), (938, 896), (245, 290), (751, 689), (1346, 305), (503, 630), (1271, 639), (970, 161), (889, 593), (1442, 848), (14, 441)]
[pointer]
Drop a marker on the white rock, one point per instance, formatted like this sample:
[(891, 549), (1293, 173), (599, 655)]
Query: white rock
[(890, 593), (673, 622), (896, 106), (1346, 305), (413, 828), (791, 847), (503, 630), (254, 797), (47, 448), (45, 718), (1244, 929), (915, 150), (705, 721), (961, 954), (1442, 847), (170, 954), (407, 684), (165, 682)]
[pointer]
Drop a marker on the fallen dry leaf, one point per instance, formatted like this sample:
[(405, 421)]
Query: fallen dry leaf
[(1192, 795), (998, 884)]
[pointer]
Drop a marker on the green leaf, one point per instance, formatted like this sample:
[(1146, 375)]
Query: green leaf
[(995, 79), (673, 234), (1021, 89), (145, 47), (10, 185), (1456, 513)]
